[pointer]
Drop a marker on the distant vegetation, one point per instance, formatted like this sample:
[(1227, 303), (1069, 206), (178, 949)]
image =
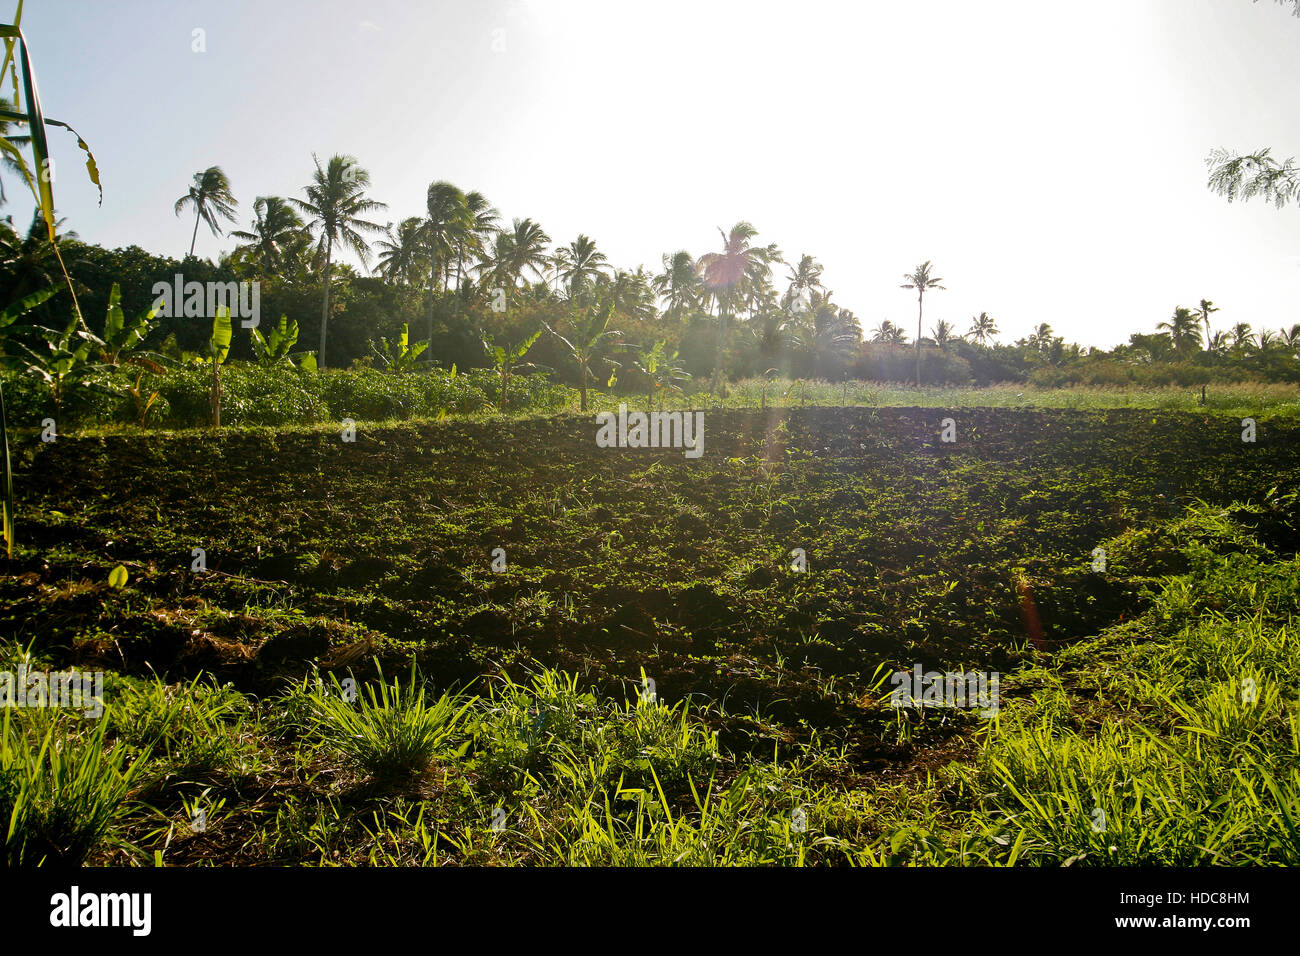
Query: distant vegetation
[(460, 289)]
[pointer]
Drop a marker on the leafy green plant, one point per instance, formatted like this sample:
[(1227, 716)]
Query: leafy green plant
[(143, 405), (273, 348), (39, 182), (509, 361), (215, 353), (662, 371), (7, 318), (65, 362), (591, 336), (399, 356), (122, 339)]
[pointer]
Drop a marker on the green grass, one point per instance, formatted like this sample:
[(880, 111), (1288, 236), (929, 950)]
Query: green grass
[(62, 789), (391, 730)]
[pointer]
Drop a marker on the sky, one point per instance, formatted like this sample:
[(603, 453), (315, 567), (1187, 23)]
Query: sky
[(1047, 157)]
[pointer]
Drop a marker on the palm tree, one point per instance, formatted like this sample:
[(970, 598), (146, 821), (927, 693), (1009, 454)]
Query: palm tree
[(30, 262), (402, 257), (804, 278), (887, 333), (942, 335), (211, 198), (10, 163), (1291, 337), (1241, 336), (1183, 331), (1203, 312), (830, 337), (679, 284), (1041, 339), (1268, 340), (982, 328), (479, 222), (275, 227), (447, 218), (582, 264), (724, 275), (335, 201), (631, 291), (920, 280), (515, 251)]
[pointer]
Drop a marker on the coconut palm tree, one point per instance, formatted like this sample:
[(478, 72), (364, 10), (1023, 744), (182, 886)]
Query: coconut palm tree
[(275, 227), (1291, 337), (403, 257), (336, 199), (725, 275), (887, 333), (804, 278), (942, 335), (1203, 313), (982, 328), (446, 219), (583, 264), (1242, 338), (9, 162), (1268, 340), (517, 250), (1184, 331), (211, 198), (830, 336), (30, 262), (471, 236), (921, 281), (679, 284), (631, 292)]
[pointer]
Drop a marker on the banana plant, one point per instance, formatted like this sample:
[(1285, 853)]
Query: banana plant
[(122, 338), (399, 356), (40, 181), (215, 353), (662, 370), (591, 335), (42, 188), (7, 491), (273, 348), (509, 361), (7, 318), (23, 306), (66, 361), (142, 404)]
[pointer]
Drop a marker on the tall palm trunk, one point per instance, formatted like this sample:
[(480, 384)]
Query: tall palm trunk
[(194, 238), (920, 300), (325, 303), (433, 294), (721, 343)]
